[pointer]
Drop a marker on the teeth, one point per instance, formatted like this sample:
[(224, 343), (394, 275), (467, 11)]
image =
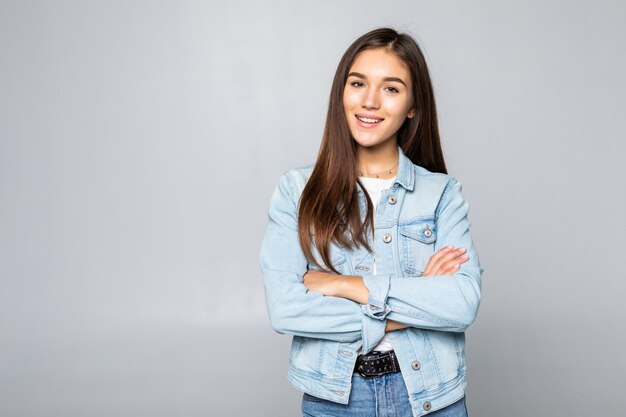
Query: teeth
[(366, 120)]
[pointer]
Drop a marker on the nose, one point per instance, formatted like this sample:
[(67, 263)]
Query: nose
[(370, 99)]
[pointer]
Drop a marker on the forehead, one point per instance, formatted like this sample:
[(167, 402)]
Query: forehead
[(381, 63)]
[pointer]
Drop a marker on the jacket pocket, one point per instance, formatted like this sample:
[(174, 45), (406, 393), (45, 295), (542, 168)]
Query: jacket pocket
[(417, 243)]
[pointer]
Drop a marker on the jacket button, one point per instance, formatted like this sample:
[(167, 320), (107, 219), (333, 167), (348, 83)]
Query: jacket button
[(416, 365), (387, 238), (428, 233), (427, 406), (392, 200)]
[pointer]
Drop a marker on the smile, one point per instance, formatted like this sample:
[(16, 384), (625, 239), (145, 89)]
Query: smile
[(368, 120)]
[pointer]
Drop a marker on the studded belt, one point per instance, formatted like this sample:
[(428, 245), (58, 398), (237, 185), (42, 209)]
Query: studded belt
[(376, 363)]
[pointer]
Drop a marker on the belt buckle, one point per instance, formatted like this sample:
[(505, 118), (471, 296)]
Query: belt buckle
[(361, 371), (368, 375)]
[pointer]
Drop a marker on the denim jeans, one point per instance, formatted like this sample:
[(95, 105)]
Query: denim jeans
[(383, 396)]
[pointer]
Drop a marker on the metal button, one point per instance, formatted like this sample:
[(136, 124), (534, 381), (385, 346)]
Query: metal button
[(392, 200), (416, 365), (428, 233), (427, 405), (387, 238), (363, 268)]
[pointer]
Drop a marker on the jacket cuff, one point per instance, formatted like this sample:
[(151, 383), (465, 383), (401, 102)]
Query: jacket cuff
[(372, 331), (378, 287)]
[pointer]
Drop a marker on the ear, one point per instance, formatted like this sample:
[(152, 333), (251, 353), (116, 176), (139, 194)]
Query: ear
[(411, 114)]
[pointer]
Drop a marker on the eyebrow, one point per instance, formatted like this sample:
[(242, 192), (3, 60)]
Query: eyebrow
[(359, 75)]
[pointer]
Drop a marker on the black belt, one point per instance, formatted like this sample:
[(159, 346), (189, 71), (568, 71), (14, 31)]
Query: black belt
[(376, 363)]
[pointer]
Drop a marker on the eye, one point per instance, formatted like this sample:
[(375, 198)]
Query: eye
[(357, 84), (393, 90)]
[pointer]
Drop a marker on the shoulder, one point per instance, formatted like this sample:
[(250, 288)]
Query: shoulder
[(293, 181), (427, 192), (435, 182), (284, 200)]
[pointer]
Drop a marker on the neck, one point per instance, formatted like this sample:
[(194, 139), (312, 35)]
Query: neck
[(381, 159)]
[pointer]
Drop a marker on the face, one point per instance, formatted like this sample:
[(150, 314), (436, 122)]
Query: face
[(377, 97)]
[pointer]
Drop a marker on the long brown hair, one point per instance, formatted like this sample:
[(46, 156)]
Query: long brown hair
[(328, 208)]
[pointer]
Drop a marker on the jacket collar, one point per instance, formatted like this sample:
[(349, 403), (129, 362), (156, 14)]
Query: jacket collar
[(406, 174)]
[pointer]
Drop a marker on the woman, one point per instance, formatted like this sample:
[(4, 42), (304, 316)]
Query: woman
[(367, 259)]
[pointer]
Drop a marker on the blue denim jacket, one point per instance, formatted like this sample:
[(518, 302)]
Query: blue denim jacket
[(421, 213)]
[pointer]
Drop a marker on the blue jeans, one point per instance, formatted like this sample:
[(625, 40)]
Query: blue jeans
[(383, 396)]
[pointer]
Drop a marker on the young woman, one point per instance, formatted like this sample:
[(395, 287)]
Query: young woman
[(367, 259)]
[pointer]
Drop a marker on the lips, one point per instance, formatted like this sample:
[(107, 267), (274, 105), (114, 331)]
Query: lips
[(368, 119)]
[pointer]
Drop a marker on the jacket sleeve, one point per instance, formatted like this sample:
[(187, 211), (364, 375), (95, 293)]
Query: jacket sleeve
[(292, 308), (437, 302)]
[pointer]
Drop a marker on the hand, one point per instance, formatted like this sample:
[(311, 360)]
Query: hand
[(445, 261), (391, 325), (321, 282), (345, 286)]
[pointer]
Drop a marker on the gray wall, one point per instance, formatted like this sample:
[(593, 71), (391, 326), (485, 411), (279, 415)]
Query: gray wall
[(139, 146)]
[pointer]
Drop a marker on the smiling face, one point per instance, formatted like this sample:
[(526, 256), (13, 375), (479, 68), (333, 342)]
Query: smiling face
[(377, 97)]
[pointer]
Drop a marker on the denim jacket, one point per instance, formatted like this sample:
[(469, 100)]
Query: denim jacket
[(421, 213)]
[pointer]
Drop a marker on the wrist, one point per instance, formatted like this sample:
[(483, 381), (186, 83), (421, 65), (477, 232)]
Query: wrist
[(335, 288), (338, 286), (352, 288)]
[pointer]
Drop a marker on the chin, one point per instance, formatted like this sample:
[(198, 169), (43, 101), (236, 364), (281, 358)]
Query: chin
[(366, 144), (369, 143)]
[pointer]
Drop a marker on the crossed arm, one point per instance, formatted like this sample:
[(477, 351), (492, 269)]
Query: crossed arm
[(350, 308), (446, 261)]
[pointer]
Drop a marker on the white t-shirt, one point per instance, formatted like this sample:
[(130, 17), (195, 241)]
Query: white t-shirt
[(374, 188)]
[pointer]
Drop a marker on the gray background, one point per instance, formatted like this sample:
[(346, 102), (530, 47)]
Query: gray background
[(139, 146)]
